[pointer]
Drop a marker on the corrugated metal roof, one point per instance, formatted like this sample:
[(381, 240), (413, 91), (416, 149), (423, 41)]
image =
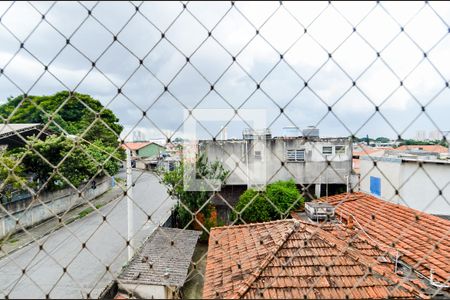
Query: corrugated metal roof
[(8, 129)]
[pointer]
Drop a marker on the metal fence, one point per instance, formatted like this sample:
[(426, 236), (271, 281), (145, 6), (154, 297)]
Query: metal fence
[(171, 74)]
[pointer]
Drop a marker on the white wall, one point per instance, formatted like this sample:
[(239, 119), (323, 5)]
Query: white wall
[(414, 184), (314, 170), (55, 203), (145, 291)]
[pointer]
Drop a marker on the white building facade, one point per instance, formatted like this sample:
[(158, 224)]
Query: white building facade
[(418, 182), (313, 162)]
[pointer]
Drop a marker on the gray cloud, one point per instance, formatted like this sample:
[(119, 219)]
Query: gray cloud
[(165, 64)]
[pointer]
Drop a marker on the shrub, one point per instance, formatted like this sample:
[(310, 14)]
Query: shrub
[(279, 199), (253, 207)]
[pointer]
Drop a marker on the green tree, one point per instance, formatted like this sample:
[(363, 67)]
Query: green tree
[(276, 202), (74, 113), (190, 202), (12, 175), (382, 139), (63, 161)]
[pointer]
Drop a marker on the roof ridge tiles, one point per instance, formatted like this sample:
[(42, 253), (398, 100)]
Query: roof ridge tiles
[(402, 248), (411, 227), (222, 228), (245, 285), (363, 259)]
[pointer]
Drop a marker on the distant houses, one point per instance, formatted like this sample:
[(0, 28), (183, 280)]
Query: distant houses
[(144, 153)]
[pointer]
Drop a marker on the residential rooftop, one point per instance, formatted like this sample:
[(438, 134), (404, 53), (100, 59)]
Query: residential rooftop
[(163, 260), (13, 128), (135, 145), (428, 148), (422, 240), (295, 259)]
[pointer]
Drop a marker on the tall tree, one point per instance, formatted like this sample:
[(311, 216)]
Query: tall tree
[(74, 113)]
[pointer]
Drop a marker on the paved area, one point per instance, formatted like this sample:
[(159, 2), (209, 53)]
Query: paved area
[(21, 239), (63, 268)]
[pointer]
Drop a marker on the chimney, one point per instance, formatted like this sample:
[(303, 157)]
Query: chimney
[(350, 222)]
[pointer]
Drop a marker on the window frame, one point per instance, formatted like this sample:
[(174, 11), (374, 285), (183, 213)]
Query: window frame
[(340, 151), (296, 156), (331, 150), (258, 155)]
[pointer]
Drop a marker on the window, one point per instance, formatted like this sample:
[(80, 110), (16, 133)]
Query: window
[(258, 155), (327, 150), (375, 186), (296, 155), (340, 149)]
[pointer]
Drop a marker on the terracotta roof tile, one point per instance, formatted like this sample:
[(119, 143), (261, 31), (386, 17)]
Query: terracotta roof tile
[(135, 146), (428, 148), (293, 259), (395, 227)]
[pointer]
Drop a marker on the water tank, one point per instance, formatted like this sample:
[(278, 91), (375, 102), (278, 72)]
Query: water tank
[(250, 134), (291, 131), (311, 131)]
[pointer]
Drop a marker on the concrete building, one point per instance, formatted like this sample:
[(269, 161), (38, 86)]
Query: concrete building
[(319, 166), (417, 179)]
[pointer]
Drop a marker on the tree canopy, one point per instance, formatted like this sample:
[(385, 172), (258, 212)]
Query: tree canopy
[(83, 142), (66, 162), (66, 112)]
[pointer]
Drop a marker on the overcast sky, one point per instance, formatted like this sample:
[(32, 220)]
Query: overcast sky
[(412, 39)]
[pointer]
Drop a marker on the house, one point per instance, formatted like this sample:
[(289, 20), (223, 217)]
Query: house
[(16, 134), (144, 152), (159, 269), (319, 166), (418, 240), (427, 148), (414, 178), (289, 259), (363, 150)]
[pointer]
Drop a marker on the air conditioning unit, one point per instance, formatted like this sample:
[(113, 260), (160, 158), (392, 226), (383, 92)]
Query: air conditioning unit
[(319, 211)]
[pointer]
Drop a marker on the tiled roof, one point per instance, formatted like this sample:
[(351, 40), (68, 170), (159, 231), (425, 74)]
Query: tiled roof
[(427, 148), (366, 150), (163, 260), (135, 146), (422, 239), (294, 259)]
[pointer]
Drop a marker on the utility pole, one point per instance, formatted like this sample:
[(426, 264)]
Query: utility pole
[(129, 204)]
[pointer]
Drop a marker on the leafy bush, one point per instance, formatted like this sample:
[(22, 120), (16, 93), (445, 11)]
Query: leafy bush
[(253, 207), (279, 199), (189, 202)]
